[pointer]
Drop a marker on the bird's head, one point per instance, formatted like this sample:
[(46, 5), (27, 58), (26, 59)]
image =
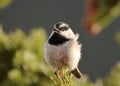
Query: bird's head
[(63, 29)]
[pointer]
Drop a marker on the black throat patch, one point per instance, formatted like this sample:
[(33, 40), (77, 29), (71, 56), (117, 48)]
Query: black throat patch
[(57, 39)]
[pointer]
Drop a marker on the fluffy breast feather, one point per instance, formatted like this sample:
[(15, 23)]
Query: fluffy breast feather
[(74, 52), (65, 55)]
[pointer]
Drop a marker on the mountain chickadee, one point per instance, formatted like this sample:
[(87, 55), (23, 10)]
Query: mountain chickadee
[(62, 49)]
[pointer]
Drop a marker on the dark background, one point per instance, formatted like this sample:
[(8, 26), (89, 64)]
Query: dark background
[(99, 53)]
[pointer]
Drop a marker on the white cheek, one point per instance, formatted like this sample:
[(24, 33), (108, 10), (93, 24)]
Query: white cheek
[(68, 34)]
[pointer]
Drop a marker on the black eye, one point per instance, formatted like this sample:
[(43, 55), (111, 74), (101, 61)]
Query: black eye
[(58, 24), (64, 28)]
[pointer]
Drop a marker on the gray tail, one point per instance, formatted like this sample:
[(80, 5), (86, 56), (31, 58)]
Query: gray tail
[(76, 72)]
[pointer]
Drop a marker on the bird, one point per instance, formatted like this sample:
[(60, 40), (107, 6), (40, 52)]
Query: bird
[(62, 49)]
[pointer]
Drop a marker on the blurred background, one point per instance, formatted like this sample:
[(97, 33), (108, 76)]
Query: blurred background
[(26, 24)]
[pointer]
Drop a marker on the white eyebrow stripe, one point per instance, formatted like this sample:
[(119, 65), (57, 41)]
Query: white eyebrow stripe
[(62, 25)]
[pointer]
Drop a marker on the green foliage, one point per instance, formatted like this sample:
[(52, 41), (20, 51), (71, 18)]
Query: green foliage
[(4, 3), (117, 36), (22, 63), (114, 78), (62, 78), (21, 58), (99, 14)]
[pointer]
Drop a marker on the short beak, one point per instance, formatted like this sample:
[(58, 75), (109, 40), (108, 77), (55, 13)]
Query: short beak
[(56, 30)]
